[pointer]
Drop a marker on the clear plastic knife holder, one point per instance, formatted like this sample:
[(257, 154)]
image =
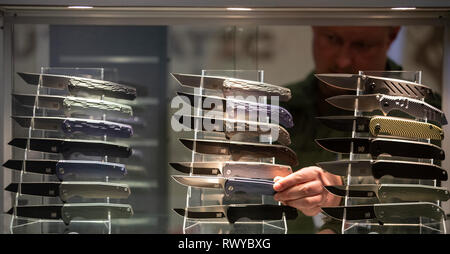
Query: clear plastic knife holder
[(20, 225), (420, 225), (197, 197)]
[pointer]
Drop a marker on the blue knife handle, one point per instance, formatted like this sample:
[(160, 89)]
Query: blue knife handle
[(89, 169), (111, 129), (284, 117), (249, 185)]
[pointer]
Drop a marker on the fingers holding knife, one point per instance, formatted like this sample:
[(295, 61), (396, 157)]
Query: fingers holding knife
[(304, 190)]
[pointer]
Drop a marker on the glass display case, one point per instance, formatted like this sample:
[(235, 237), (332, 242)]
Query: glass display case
[(140, 44)]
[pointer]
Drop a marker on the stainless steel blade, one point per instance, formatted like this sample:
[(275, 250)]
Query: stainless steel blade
[(201, 181)]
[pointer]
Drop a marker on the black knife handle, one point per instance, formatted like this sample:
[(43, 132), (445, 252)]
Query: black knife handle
[(95, 149), (260, 212), (406, 149), (409, 170)]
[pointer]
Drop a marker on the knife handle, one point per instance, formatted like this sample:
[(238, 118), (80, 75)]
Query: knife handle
[(249, 185), (236, 86), (233, 128), (79, 105), (284, 117), (95, 149), (283, 153), (94, 211), (392, 212), (260, 212), (406, 149), (412, 170), (413, 107), (393, 126), (111, 129), (92, 170), (101, 87), (396, 88)]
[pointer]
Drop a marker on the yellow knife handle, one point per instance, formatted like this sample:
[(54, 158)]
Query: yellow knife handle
[(400, 127)]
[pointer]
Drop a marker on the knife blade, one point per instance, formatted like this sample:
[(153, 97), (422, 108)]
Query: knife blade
[(236, 212), (232, 107), (387, 103), (231, 128), (233, 86), (67, 190), (385, 213), (69, 212), (69, 169), (373, 84), (78, 85), (76, 125), (233, 169), (75, 105), (386, 193), (69, 146), (380, 168), (385, 125), (237, 150), (378, 146), (229, 185)]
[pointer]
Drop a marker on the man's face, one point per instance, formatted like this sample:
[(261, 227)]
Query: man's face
[(351, 49)]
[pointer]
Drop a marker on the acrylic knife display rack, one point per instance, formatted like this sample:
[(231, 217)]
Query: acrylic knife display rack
[(230, 175), (67, 163), (402, 193)]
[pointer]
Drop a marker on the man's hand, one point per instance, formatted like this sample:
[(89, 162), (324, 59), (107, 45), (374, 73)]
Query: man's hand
[(304, 190)]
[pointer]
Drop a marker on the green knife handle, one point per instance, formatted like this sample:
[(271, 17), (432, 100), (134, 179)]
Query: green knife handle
[(95, 211), (98, 190), (397, 211), (393, 126), (410, 192)]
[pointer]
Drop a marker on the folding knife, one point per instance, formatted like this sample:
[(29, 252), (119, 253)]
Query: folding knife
[(69, 212), (385, 213), (235, 212), (76, 125), (378, 146), (385, 125), (69, 146), (75, 105), (387, 103), (231, 127), (69, 169), (79, 85), (380, 168), (233, 169), (233, 86), (237, 150), (232, 107), (386, 193), (373, 84), (230, 185), (67, 190)]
